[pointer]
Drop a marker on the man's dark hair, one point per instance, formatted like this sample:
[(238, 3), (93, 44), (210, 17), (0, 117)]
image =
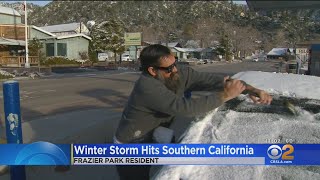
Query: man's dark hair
[(150, 56)]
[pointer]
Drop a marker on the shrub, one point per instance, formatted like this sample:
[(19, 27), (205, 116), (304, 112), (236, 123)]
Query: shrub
[(83, 55), (59, 61), (5, 75)]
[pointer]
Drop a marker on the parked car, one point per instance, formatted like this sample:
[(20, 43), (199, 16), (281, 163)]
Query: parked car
[(125, 57), (241, 121), (103, 56), (200, 61), (255, 59)]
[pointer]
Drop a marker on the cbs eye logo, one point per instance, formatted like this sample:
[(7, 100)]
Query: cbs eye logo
[(276, 152), (41, 153)]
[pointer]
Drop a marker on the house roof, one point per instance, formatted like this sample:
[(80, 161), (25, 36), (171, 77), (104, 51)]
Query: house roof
[(192, 49), (179, 49), (172, 44), (44, 31), (63, 36), (10, 11), (11, 42), (61, 27), (74, 35), (277, 52)]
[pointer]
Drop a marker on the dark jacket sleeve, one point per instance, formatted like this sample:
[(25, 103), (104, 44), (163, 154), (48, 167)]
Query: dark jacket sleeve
[(167, 102), (201, 81)]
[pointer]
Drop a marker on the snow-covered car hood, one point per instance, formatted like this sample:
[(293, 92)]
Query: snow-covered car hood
[(224, 125)]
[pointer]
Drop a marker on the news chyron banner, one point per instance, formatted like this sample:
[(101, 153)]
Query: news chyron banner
[(45, 153)]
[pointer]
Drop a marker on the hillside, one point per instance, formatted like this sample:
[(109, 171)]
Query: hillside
[(205, 22)]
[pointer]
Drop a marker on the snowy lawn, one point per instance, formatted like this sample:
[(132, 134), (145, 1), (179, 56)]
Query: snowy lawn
[(224, 125)]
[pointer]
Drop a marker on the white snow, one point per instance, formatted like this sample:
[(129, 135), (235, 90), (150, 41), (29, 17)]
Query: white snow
[(240, 127), (284, 84)]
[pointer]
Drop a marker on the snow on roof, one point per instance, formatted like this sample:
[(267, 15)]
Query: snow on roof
[(188, 49), (10, 11), (277, 51), (231, 126), (180, 49), (74, 35), (171, 45), (61, 27)]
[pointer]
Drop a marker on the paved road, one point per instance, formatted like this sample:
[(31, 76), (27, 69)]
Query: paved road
[(78, 91), (233, 68)]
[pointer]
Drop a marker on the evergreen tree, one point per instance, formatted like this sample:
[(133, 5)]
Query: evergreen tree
[(109, 36), (34, 47), (224, 47)]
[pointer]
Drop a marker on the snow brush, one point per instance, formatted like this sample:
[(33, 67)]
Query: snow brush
[(283, 105), (279, 105)]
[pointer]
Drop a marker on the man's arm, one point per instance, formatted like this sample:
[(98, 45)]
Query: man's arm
[(202, 81), (158, 98), (257, 95)]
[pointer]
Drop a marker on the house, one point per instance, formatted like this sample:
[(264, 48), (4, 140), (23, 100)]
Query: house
[(277, 53), (64, 40), (9, 16), (12, 39), (208, 53), (175, 47), (68, 46), (180, 53), (67, 29), (172, 44), (198, 53)]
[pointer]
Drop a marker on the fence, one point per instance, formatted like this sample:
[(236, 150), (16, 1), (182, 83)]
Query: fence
[(18, 61)]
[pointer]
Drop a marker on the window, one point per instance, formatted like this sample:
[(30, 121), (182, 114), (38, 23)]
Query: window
[(62, 49), (50, 49)]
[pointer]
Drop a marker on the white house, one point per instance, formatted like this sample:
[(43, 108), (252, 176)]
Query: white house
[(277, 53), (67, 29), (69, 46)]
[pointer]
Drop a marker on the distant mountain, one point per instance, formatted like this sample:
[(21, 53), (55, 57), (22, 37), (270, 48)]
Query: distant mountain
[(18, 6), (203, 21)]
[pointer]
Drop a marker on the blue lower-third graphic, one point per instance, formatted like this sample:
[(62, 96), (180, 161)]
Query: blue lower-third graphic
[(43, 153)]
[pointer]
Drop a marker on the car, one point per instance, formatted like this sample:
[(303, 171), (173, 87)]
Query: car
[(103, 57), (200, 61), (241, 121), (255, 59), (125, 57)]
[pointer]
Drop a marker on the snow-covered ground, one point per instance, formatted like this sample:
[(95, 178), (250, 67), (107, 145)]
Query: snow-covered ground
[(230, 126)]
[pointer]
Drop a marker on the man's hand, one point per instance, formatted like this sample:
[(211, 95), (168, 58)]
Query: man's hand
[(260, 97), (232, 88)]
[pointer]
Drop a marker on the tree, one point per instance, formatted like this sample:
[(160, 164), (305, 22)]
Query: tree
[(192, 44), (109, 36), (92, 53), (35, 45), (224, 47)]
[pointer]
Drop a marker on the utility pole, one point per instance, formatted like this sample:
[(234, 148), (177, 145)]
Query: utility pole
[(27, 64)]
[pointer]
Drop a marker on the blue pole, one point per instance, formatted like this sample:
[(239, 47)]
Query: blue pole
[(187, 94), (11, 99)]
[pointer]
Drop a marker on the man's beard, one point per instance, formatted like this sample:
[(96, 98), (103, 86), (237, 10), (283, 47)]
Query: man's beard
[(172, 82)]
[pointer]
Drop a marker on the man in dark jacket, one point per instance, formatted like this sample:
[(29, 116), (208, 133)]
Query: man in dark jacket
[(158, 96)]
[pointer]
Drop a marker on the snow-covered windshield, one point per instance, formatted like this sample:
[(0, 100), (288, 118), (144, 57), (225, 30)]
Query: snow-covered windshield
[(240, 121)]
